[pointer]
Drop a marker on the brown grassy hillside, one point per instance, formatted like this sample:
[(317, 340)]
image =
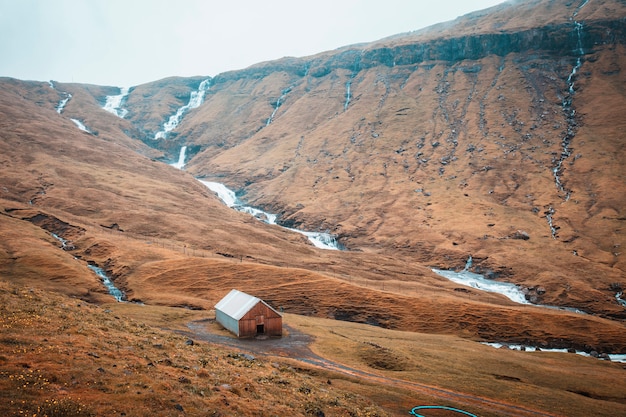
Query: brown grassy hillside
[(62, 357), (417, 151), (427, 164), (444, 157)]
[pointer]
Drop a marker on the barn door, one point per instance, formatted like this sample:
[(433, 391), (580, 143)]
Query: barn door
[(260, 324)]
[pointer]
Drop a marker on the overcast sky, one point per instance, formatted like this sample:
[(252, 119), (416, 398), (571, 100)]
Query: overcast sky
[(129, 42)]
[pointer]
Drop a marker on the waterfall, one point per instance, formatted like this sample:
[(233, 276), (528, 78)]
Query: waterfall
[(196, 98), (277, 105), (570, 117), (80, 125), (63, 102), (181, 158), (468, 264), (570, 112), (113, 104), (348, 96), (229, 198)]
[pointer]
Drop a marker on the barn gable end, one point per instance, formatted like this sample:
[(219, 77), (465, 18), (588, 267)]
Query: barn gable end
[(248, 316)]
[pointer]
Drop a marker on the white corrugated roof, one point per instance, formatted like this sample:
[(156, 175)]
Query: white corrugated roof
[(236, 304)]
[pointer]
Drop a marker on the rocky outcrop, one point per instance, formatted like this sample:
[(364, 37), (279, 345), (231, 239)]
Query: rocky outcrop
[(557, 40)]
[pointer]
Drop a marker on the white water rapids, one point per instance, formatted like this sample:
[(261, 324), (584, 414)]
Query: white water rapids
[(196, 98), (511, 291), (471, 279), (320, 240), (612, 357)]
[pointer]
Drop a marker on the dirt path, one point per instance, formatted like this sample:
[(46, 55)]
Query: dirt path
[(295, 345)]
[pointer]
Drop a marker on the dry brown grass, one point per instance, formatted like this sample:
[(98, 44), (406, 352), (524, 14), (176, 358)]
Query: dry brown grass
[(62, 357), (66, 356), (556, 383)]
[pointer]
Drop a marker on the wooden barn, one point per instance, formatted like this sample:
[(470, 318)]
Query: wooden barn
[(248, 316)]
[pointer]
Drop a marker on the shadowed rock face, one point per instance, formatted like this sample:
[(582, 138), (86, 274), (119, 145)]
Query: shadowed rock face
[(556, 40)]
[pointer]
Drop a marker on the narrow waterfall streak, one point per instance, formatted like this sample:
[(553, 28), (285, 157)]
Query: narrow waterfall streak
[(113, 104), (348, 96), (113, 290), (553, 229), (277, 105), (584, 3), (63, 102), (570, 112), (196, 98), (579, 39), (80, 125), (180, 164), (570, 117)]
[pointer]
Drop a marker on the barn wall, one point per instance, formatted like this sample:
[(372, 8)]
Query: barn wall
[(274, 326), (272, 321), (227, 321)]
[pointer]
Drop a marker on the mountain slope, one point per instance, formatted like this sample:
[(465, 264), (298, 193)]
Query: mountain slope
[(417, 151), (445, 143)]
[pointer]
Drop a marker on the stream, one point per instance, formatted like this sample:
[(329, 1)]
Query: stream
[(572, 126), (113, 290), (471, 279), (479, 282), (280, 101), (611, 356), (63, 102), (320, 240)]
